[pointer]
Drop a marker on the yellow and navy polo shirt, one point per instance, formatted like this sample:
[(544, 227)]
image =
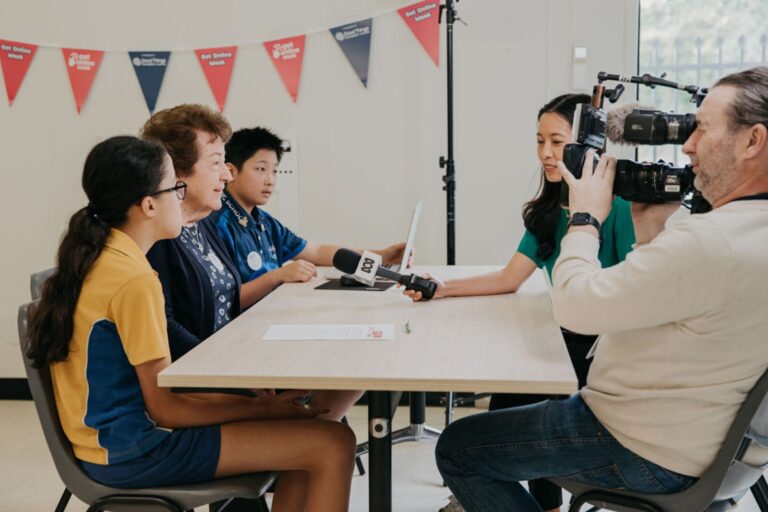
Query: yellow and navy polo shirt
[(119, 323)]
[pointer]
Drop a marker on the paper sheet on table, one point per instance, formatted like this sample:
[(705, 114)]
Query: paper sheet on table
[(359, 332)]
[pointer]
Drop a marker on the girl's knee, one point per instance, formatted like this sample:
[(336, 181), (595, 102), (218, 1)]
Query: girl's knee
[(345, 436), (337, 438), (334, 446)]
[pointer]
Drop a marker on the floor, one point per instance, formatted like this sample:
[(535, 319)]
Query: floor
[(28, 480)]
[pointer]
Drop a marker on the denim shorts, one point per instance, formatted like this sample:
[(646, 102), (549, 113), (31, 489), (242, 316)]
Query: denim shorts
[(186, 456)]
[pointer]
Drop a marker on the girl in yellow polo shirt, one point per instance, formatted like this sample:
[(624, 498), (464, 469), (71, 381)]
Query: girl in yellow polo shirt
[(101, 327)]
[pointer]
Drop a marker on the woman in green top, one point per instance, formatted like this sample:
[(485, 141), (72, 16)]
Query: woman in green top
[(546, 223)]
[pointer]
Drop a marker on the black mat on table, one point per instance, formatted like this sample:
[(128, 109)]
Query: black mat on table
[(378, 286)]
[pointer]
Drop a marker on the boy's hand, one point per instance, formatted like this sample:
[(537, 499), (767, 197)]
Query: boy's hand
[(288, 405), (299, 271), (392, 254)]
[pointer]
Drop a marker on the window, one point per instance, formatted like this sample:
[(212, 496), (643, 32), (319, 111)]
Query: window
[(696, 42)]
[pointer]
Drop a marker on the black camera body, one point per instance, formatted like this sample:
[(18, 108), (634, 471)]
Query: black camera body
[(641, 182), (644, 182), (589, 125), (589, 133)]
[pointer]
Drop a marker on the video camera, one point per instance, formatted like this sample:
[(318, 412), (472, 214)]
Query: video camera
[(641, 182)]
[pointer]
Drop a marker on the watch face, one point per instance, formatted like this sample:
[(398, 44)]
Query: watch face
[(580, 218), (583, 219)]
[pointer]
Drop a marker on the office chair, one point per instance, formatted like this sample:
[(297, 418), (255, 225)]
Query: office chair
[(178, 498), (37, 280), (738, 466)]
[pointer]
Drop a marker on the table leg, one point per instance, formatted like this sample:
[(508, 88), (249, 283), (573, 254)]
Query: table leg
[(380, 459)]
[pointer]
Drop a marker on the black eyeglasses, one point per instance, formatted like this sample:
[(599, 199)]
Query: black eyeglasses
[(180, 188)]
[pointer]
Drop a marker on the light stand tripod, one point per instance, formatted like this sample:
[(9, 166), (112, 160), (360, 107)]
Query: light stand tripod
[(418, 430), (448, 163)]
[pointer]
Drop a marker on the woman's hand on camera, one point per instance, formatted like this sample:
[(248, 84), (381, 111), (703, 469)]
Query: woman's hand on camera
[(593, 192), (416, 296)]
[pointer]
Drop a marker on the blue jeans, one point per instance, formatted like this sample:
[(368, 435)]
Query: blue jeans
[(483, 457)]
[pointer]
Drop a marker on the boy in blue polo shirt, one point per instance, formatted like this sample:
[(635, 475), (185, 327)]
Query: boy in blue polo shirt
[(258, 243)]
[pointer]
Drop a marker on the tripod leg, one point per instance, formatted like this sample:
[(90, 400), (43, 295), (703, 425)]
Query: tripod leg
[(448, 408), (418, 407)]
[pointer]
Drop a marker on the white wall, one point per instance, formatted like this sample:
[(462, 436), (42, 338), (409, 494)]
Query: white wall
[(365, 156)]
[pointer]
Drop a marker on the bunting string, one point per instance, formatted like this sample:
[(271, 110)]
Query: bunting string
[(286, 54)]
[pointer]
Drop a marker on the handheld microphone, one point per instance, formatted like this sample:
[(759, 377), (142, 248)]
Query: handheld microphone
[(638, 124), (365, 268)]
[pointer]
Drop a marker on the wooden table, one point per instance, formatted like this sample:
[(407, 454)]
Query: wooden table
[(504, 343)]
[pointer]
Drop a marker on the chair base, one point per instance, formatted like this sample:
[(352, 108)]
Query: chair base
[(411, 433), (120, 503)]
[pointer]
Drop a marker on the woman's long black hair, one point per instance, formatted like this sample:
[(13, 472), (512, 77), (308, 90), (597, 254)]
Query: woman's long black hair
[(540, 215), (118, 174)]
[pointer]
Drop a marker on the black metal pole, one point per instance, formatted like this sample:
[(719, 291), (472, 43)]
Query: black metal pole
[(449, 179), (380, 443)]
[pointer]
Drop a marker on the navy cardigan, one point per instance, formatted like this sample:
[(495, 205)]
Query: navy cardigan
[(189, 305)]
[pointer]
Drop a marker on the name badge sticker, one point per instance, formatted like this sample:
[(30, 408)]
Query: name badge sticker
[(254, 260)]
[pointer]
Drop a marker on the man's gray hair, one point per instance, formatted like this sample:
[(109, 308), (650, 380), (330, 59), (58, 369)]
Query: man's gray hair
[(750, 107)]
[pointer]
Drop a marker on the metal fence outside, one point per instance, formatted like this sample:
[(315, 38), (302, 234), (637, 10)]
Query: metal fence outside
[(700, 61)]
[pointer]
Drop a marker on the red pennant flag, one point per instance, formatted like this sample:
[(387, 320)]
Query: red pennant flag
[(217, 65), (422, 19), (82, 66), (15, 59), (287, 55)]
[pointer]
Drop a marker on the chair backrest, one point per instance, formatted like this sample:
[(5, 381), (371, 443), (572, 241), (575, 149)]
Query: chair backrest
[(41, 388), (751, 458), (37, 280)]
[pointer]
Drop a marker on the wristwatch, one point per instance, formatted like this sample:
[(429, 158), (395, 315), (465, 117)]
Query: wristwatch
[(584, 219)]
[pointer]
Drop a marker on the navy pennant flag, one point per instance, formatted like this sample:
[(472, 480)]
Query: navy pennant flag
[(355, 41), (150, 69)]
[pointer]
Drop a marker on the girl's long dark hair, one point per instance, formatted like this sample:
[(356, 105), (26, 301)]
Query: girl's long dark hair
[(540, 215), (118, 173)]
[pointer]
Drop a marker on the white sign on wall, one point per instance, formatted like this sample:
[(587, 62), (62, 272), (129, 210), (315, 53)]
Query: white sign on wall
[(284, 204)]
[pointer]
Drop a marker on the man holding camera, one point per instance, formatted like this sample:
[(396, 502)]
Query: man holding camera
[(682, 322)]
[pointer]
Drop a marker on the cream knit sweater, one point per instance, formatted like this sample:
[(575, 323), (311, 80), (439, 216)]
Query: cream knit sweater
[(684, 330)]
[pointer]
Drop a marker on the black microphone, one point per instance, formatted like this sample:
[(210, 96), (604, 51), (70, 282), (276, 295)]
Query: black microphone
[(366, 269), (615, 121), (634, 124)]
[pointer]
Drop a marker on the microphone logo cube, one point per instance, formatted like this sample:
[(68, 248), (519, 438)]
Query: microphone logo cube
[(367, 267)]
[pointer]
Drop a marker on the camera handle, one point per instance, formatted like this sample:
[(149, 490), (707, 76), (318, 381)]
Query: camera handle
[(600, 92), (697, 93), (613, 95)]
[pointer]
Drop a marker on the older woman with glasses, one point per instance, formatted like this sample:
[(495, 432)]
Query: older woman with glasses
[(202, 286)]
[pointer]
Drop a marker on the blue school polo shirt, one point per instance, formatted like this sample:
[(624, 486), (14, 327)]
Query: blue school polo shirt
[(257, 242)]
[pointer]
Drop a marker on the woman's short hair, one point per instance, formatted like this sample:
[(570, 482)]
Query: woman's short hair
[(177, 128)]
